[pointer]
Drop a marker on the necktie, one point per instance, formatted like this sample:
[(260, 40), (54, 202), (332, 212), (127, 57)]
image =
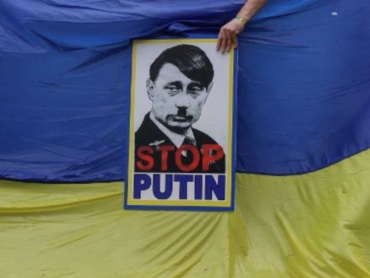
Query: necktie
[(189, 141)]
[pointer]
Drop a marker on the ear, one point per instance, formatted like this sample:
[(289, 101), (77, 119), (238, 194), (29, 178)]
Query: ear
[(149, 88), (209, 87), (208, 91)]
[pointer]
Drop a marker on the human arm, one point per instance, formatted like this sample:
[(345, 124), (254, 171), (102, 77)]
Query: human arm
[(228, 32)]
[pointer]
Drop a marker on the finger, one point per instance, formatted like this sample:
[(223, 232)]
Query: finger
[(234, 40), (220, 43), (220, 39), (228, 40), (224, 41)]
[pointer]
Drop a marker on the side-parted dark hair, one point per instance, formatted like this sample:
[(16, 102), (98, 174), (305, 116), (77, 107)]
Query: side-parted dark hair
[(189, 59)]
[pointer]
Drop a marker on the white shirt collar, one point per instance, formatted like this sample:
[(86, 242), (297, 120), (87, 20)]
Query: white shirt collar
[(177, 139)]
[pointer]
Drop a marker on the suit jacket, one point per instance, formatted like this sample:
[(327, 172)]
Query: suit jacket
[(153, 139)]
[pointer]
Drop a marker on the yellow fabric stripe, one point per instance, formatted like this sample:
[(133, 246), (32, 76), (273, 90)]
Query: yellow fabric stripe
[(314, 225)]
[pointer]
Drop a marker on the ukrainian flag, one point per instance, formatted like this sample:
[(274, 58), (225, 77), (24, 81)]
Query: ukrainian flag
[(303, 158)]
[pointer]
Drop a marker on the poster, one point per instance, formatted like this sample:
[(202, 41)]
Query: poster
[(181, 151)]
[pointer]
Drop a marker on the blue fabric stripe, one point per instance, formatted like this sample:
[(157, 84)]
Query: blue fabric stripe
[(304, 83)]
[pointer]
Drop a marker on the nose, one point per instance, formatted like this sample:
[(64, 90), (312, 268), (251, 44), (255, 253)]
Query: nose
[(183, 102)]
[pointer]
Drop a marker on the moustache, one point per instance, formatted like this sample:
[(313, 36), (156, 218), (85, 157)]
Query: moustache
[(181, 112), (180, 116)]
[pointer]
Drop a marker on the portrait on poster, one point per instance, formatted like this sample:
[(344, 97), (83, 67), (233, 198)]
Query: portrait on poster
[(181, 131)]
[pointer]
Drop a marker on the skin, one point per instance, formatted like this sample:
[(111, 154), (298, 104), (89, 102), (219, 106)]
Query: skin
[(177, 101), (227, 37)]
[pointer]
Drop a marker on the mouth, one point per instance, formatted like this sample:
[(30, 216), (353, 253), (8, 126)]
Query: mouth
[(176, 118)]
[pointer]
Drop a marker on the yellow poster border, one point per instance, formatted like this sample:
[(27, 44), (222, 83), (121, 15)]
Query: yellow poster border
[(228, 202)]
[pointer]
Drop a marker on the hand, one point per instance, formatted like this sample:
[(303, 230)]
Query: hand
[(227, 36)]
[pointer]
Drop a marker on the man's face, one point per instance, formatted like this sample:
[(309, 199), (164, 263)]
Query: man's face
[(177, 100)]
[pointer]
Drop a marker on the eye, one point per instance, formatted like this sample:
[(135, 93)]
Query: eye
[(194, 94), (195, 88), (172, 90)]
